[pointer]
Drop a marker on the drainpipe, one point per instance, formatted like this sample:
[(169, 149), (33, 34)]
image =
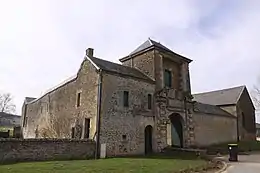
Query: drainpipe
[(97, 153)]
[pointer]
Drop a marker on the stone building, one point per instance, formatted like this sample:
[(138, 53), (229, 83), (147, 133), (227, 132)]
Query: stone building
[(143, 105)]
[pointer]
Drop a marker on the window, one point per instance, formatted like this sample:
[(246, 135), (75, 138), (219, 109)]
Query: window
[(87, 128), (25, 121), (126, 98), (149, 101), (124, 137), (73, 132), (78, 99), (168, 78)]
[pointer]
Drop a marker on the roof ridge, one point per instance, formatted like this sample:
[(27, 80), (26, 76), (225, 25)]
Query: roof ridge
[(105, 60), (118, 64)]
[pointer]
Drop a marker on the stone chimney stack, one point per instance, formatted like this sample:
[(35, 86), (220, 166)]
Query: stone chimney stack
[(90, 52)]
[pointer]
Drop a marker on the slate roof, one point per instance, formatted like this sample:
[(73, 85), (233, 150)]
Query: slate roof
[(227, 96), (211, 109), (150, 44), (9, 120), (29, 99), (119, 69), (147, 44)]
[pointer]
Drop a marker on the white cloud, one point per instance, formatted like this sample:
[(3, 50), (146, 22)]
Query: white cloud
[(43, 42)]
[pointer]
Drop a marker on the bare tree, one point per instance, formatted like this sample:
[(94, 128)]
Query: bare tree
[(6, 103), (55, 126), (256, 96)]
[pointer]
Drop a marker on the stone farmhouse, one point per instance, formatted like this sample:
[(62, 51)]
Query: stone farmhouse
[(141, 106)]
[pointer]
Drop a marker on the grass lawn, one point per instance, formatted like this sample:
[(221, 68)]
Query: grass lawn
[(116, 165), (242, 145)]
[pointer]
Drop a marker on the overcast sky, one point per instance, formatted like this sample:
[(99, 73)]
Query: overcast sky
[(43, 42)]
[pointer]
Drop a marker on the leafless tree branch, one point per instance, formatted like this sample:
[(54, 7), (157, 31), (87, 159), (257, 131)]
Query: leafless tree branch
[(55, 126), (6, 103)]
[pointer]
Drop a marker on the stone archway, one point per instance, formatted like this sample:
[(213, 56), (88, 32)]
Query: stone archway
[(148, 139), (176, 130)]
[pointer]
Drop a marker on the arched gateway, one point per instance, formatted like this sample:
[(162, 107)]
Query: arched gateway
[(176, 130)]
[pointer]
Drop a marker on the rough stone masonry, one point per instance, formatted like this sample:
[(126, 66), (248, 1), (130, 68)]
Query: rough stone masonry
[(141, 106)]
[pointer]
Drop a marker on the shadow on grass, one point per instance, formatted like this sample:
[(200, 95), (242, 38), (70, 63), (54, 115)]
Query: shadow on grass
[(157, 156), (177, 156)]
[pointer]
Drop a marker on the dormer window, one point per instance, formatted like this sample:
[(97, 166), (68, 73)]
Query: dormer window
[(167, 78)]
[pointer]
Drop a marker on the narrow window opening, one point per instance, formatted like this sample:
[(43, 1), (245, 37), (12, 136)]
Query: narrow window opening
[(87, 128), (73, 132), (149, 101), (78, 99), (126, 98), (124, 137)]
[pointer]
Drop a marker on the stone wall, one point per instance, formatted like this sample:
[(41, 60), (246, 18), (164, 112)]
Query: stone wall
[(144, 62), (14, 150), (247, 129), (175, 70), (210, 129), (122, 128), (60, 107)]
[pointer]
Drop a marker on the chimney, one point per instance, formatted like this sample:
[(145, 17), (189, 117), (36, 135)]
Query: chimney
[(90, 52)]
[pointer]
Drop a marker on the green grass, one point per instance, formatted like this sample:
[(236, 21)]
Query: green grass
[(5, 129), (111, 165), (243, 146)]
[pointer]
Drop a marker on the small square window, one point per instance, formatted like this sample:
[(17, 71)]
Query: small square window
[(126, 98), (124, 137)]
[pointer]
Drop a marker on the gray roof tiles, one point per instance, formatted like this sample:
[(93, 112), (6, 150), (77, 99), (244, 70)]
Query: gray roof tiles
[(211, 109), (220, 97), (120, 69), (29, 99), (149, 44), (9, 120)]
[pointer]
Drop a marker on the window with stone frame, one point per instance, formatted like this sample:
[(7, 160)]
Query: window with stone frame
[(126, 99), (167, 78), (149, 101), (73, 132), (78, 99), (87, 128), (124, 137)]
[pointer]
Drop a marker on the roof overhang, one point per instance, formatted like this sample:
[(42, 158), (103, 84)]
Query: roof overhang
[(157, 48)]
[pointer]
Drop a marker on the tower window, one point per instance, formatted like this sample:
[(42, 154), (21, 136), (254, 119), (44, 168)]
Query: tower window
[(149, 101), (126, 98), (168, 78)]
